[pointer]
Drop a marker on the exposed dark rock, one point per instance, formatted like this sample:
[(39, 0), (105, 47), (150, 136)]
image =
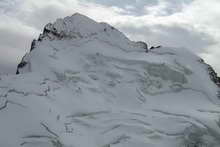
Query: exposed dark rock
[(152, 47), (22, 64), (33, 44), (212, 74), (201, 60), (112, 28), (47, 28), (40, 38), (51, 32), (218, 94)]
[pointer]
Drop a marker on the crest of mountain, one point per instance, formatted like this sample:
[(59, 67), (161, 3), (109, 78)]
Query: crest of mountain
[(84, 83)]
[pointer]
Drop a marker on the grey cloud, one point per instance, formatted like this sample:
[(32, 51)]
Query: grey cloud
[(9, 59), (41, 16), (8, 6), (178, 36), (14, 38), (169, 6), (174, 6), (184, 37), (123, 3), (33, 15), (131, 7)]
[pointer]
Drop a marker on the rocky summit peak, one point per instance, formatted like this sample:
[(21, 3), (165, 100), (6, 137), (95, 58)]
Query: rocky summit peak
[(75, 26)]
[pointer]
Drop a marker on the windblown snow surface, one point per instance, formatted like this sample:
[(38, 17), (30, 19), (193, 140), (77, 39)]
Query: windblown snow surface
[(85, 84)]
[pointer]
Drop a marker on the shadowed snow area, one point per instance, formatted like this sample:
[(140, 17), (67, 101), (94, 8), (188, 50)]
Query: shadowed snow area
[(85, 84)]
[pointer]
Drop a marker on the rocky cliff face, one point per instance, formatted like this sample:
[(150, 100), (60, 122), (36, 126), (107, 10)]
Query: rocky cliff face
[(84, 83), (213, 75)]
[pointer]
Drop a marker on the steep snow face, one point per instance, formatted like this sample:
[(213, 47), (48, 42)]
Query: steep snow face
[(100, 89)]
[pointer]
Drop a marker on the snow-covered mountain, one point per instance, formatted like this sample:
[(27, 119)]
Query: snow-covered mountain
[(85, 84)]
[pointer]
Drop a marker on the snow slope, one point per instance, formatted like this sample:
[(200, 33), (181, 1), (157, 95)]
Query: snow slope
[(85, 84)]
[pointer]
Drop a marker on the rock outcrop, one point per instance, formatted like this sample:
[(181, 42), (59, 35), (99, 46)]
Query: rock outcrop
[(213, 75)]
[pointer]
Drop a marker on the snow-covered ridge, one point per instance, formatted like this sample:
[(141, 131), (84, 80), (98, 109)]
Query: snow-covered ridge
[(99, 89), (74, 27)]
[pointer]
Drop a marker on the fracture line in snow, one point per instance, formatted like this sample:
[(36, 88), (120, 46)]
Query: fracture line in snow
[(180, 115), (48, 129)]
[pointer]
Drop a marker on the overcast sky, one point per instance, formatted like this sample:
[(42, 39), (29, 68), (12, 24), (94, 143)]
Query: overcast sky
[(193, 24)]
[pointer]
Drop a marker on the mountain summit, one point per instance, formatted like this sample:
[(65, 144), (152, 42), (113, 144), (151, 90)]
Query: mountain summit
[(85, 84), (75, 26)]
